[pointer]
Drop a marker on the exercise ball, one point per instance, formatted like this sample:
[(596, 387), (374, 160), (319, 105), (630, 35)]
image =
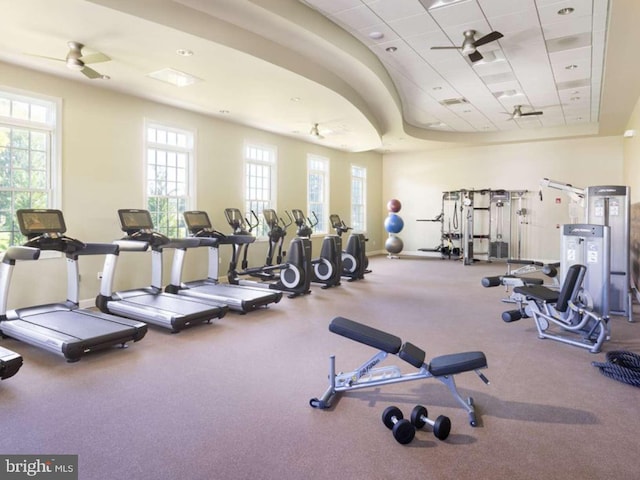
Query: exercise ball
[(393, 223), (393, 244), (394, 205)]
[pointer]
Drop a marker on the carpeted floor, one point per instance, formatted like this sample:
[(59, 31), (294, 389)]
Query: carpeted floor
[(230, 400)]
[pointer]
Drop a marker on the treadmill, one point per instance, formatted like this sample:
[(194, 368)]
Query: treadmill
[(239, 298), (151, 304), (62, 328), (10, 363)]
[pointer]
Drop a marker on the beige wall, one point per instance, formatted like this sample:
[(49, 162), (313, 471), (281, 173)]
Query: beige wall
[(632, 178), (418, 181), (632, 155), (102, 160)]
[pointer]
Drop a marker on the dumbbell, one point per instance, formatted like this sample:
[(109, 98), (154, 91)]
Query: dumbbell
[(403, 430), (441, 426)]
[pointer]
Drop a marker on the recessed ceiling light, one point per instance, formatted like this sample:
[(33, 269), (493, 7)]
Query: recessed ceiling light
[(183, 52), (466, 111), (437, 88), (573, 99), (573, 66), (376, 35), (224, 112), (391, 49), (565, 11), (295, 99)]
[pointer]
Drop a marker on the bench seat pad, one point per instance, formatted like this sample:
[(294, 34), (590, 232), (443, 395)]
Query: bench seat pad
[(364, 334)]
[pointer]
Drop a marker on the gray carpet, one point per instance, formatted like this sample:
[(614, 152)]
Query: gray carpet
[(230, 400)]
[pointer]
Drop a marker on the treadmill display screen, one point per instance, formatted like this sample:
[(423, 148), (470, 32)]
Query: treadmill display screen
[(197, 220), (36, 222), (135, 220)]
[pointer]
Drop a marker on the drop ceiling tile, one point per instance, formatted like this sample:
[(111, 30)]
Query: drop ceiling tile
[(570, 42), (357, 18), (390, 10), (457, 14), (414, 26), (549, 13), (491, 8), (578, 56), (515, 22), (332, 6), (564, 29)]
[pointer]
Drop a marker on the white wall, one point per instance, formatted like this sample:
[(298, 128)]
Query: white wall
[(418, 181), (102, 165)]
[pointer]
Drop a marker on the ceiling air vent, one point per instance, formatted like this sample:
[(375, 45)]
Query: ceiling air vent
[(449, 102)]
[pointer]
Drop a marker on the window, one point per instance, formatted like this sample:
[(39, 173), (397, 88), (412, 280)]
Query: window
[(29, 159), (318, 191), (358, 198), (260, 181), (170, 159)]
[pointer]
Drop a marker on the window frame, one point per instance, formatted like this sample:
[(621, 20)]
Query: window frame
[(320, 229), (52, 127), (190, 183), (355, 224), (272, 162)]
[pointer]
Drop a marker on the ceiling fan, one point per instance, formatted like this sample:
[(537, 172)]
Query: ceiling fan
[(76, 61), (518, 113), (470, 44), (315, 132)]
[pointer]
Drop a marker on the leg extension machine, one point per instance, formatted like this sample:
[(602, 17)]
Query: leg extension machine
[(442, 368)]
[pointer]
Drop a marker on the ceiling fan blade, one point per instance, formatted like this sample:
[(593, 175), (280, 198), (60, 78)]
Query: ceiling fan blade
[(475, 56), (445, 48), (528, 114), (44, 56), (95, 58), (91, 73), (490, 37)]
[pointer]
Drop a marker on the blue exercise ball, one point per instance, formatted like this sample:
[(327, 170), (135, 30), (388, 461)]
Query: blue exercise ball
[(393, 223)]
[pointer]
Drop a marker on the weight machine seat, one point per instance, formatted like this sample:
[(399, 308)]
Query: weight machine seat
[(540, 293), (364, 334), (569, 291)]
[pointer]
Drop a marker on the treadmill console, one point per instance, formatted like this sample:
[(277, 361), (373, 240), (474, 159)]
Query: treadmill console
[(45, 229), (132, 220), (199, 225), (197, 221), (36, 222), (138, 225)]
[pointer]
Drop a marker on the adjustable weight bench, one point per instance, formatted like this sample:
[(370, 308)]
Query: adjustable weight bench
[(367, 375)]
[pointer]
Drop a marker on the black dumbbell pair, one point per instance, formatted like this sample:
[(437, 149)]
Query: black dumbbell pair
[(404, 430)]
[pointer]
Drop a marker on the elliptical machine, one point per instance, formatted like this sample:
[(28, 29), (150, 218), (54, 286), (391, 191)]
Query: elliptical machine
[(292, 276), (327, 269), (354, 258)]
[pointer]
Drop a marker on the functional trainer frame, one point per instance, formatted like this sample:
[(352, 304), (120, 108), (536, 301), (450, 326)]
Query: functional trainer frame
[(368, 374)]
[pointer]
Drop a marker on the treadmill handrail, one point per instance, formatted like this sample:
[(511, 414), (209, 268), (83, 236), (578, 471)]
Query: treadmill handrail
[(132, 245), (20, 253), (99, 249), (190, 242)]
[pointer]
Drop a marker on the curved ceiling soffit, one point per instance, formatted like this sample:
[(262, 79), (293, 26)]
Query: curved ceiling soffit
[(238, 32)]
